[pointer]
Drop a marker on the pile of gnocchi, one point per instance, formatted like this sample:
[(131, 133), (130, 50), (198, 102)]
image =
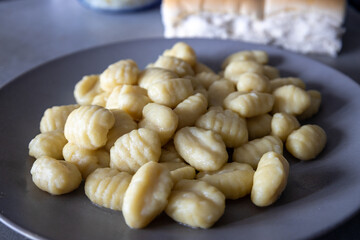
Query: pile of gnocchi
[(158, 139)]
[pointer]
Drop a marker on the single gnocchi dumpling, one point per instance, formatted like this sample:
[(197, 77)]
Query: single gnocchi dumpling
[(202, 149), (270, 179), (254, 55), (106, 187), (189, 110), (119, 73), (315, 97), (147, 195), (55, 176), (183, 51), (86, 89), (235, 69), (279, 82), (249, 104), (48, 144), (234, 179), (134, 149), (291, 99), (218, 91), (123, 124), (248, 82), (252, 151), (177, 65), (195, 203), (54, 118), (259, 126), (86, 160), (207, 78), (229, 125), (161, 119), (306, 142), (171, 92), (152, 75), (271, 72), (282, 124), (88, 126), (101, 99), (129, 98)]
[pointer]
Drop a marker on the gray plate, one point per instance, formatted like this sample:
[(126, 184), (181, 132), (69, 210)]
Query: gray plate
[(319, 195)]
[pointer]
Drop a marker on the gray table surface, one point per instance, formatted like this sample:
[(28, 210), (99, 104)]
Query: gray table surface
[(33, 32)]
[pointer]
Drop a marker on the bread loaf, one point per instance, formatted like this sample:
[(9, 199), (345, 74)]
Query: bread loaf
[(306, 26)]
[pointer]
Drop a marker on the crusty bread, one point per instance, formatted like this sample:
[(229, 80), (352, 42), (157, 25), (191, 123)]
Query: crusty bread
[(307, 26)]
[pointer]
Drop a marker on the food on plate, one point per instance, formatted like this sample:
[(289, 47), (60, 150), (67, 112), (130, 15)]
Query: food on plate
[(178, 137), (287, 24)]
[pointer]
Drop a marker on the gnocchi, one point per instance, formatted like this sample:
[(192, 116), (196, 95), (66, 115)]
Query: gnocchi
[(282, 124), (48, 144), (291, 99), (87, 89), (55, 118)]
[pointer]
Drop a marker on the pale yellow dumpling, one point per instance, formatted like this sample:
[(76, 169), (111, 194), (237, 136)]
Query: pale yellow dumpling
[(229, 125), (86, 160), (54, 118), (106, 187), (152, 75), (86, 89), (207, 78), (88, 126), (129, 98), (270, 179), (291, 99), (306, 142), (123, 124), (202, 149), (282, 124), (177, 65), (195, 203), (179, 170), (271, 72), (101, 99), (252, 151), (183, 51), (134, 149), (48, 144), (254, 55), (147, 195), (55, 176), (249, 104), (218, 91), (259, 126), (235, 69), (248, 82), (315, 97), (161, 119), (189, 110), (171, 92), (234, 179), (122, 72)]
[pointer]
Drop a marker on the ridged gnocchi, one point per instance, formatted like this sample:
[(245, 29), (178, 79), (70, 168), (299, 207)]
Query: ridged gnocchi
[(54, 118), (147, 195), (161, 119), (282, 124), (270, 179), (315, 99), (152, 75), (234, 179), (252, 151), (248, 82), (230, 126), (306, 142), (207, 78), (189, 110), (291, 99), (86, 89), (177, 65), (86, 160), (121, 72), (134, 149), (235, 69), (48, 144), (183, 51), (279, 82), (106, 187), (88, 126), (195, 203), (249, 104), (202, 149), (55, 176)]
